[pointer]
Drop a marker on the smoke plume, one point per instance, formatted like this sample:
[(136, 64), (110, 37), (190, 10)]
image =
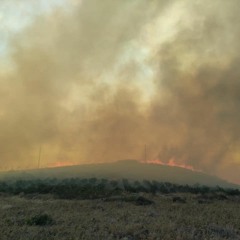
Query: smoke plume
[(98, 81)]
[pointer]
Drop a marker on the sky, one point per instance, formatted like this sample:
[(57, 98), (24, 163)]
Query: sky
[(95, 81)]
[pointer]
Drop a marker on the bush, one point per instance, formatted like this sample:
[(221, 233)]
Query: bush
[(142, 201), (178, 199), (40, 220)]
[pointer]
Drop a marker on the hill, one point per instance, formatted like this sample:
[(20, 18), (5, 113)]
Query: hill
[(128, 169)]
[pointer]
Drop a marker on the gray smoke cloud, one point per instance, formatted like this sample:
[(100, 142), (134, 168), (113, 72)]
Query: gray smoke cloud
[(98, 82)]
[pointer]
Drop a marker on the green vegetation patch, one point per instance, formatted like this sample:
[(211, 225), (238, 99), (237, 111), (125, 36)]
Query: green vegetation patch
[(40, 220), (77, 188)]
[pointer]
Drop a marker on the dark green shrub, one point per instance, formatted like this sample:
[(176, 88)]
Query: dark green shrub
[(178, 199), (142, 201), (40, 220)]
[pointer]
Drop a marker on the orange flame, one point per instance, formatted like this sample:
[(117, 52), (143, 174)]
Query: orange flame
[(173, 163), (61, 164)]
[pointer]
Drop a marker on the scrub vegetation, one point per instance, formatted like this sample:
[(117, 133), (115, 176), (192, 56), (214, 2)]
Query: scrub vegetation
[(116, 209), (93, 188)]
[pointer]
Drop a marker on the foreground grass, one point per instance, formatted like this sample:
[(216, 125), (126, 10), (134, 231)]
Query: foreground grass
[(178, 216)]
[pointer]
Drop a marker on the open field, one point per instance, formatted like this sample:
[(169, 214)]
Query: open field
[(178, 216)]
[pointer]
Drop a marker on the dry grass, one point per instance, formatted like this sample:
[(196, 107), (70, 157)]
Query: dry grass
[(101, 219)]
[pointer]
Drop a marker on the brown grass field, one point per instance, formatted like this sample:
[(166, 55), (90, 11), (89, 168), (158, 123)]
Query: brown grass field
[(188, 217)]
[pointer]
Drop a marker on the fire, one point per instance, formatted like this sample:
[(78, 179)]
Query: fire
[(61, 164), (173, 163)]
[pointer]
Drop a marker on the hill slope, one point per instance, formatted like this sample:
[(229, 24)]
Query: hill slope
[(129, 169)]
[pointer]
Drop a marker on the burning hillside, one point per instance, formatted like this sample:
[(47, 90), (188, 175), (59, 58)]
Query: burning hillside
[(132, 170), (99, 79)]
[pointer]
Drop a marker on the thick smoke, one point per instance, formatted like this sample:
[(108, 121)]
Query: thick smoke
[(98, 82)]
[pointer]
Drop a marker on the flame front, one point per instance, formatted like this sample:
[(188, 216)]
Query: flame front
[(173, 163), (61, 164)]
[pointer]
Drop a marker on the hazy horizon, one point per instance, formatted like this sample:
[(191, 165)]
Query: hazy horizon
[(88, 81)]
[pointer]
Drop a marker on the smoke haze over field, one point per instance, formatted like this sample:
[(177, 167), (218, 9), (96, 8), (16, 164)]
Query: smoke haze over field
[(96, 81)]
